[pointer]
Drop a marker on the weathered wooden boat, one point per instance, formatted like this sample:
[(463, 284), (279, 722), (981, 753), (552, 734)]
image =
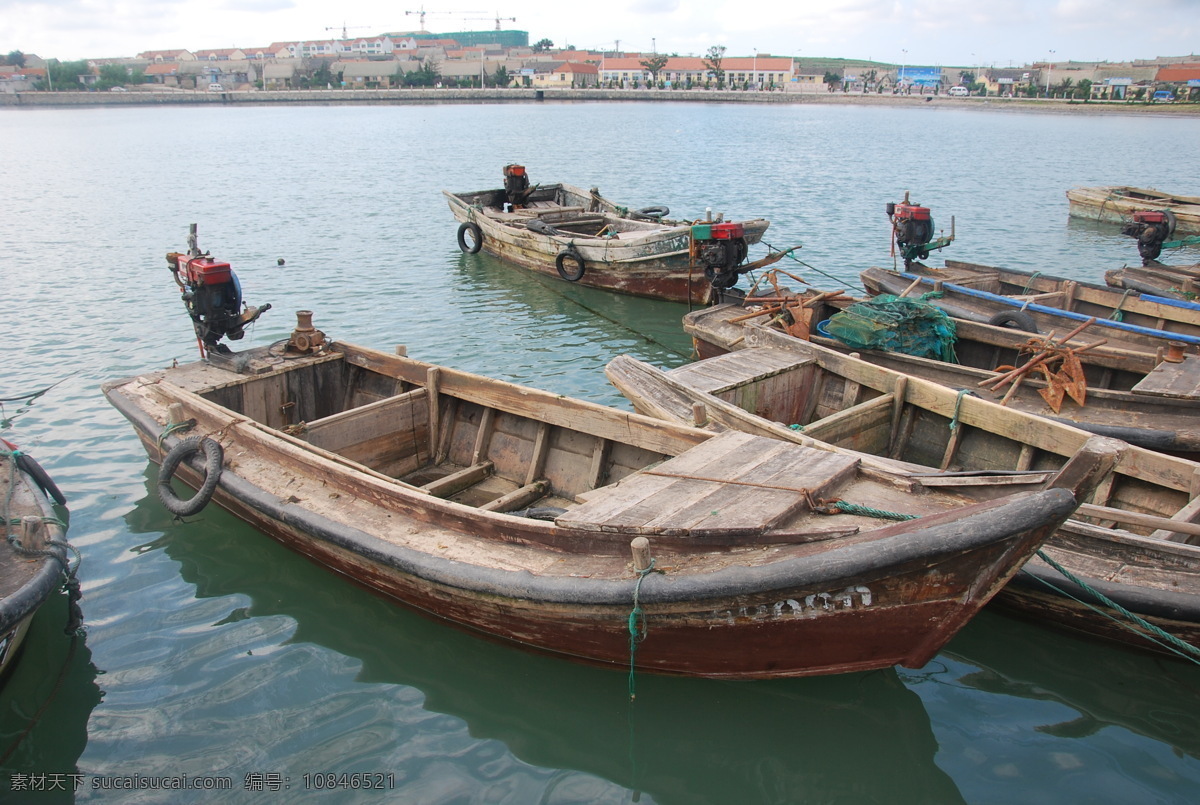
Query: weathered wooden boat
[(430, 485), (1118, 204), (1125, 395), (1134, 540), (980, 306), (1142, 309), (33, 557), (582, 237), (1175, 282)]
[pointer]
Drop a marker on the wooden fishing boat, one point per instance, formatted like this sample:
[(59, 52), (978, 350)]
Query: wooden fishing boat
[(980, 306), (580, 236), (33, 558), (1135, 540), (1130, 306), (1117, 204), (1125, 395), (1174, 282), (554, 523)]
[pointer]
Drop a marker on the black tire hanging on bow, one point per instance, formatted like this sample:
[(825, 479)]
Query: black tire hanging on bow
[(28, 465), (476, 242), (1014, 319), (652, 213), (560, 262), (213, 456)]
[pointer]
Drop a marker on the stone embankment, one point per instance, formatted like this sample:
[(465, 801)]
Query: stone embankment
[(140, 97)]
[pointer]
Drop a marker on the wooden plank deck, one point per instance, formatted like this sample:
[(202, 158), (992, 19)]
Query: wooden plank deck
[(1173, 379), (734, 369), (732, 484)]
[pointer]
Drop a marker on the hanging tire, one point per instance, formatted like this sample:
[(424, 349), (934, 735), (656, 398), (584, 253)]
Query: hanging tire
[(570, 274), (30, 467), (213, 456), (1172, 222), (1014, 319), (652, 213), (475, 243)]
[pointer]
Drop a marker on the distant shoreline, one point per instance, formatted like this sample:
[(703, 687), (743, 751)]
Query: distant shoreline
[(35, 100)]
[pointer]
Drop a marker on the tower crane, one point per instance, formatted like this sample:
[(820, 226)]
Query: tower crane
[(422, 14), (498, 19), (344, 28)]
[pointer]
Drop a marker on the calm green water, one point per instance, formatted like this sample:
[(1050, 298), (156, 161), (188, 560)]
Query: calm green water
[(210, 650)]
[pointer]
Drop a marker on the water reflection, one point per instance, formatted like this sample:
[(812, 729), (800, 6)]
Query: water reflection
[(46, 702), (1103, 685), (860, 737)]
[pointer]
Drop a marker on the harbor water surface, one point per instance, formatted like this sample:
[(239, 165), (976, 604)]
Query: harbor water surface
[(210, 651)]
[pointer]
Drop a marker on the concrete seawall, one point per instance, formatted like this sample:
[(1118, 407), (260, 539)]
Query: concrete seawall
[(427, 96)]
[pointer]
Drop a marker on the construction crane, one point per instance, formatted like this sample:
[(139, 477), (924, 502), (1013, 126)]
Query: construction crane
[(422, 14), (344, 29), (497, 18)]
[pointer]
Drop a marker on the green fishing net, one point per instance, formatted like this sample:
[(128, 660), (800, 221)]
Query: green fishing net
[(896, 324)]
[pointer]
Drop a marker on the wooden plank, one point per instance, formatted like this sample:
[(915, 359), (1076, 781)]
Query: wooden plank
[(1188, 514), (536, 404), (750, 482), (762, 497), (518, 498), (483, 435), (1173, 379), (724, 372), (1109, 514), (432, 378), (599, 463), (856, 418), (378, 434), (541, 445), (455, 482)]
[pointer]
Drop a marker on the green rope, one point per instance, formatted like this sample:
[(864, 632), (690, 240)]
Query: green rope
[(865, 511), (795, 427), (1029, 284), (1177, 646), (1118, 314), (954, 423), (637, 628), (187, 424)]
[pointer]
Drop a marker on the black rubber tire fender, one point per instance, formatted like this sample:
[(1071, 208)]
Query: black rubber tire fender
[(476, 237), (28, 465), (214, 455), (1014, 319), (1172, 222), (560, 263), (653, 213)]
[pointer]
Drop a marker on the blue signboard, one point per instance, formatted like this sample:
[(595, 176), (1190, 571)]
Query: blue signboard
[(926, 76)]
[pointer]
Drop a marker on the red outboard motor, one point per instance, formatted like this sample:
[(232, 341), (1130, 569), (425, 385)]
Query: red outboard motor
[(516, 185), (213, 296), (1152, 228), (913, 227), (720, 248)]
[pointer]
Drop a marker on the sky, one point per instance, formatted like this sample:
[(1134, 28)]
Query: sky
[(998, 33)]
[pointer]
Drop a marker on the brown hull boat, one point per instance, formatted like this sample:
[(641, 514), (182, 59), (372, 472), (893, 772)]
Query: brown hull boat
[(1134, 541), (1084, 298), (980, 306), (1117, 204), (1126, 395), (572, 234), (518, 514)]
